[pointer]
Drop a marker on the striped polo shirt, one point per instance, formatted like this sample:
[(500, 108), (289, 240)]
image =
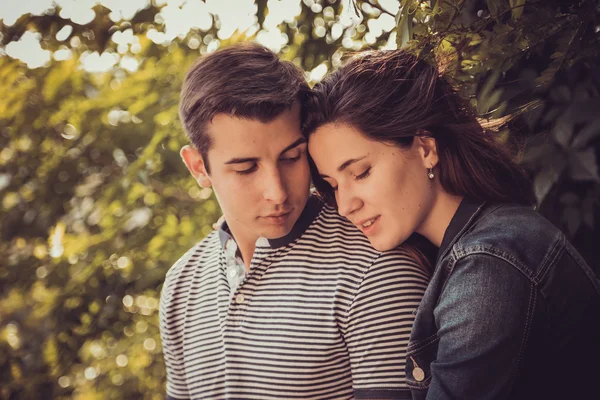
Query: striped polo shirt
[(319, 315)]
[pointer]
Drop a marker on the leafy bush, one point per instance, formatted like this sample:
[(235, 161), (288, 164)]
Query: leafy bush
[(96, 205)]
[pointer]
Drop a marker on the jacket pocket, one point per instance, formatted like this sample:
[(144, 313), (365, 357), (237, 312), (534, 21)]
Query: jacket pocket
[(419, 356)]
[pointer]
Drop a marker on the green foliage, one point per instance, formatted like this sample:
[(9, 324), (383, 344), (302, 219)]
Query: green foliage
[(95, 204), (535, 61), (97, 208)]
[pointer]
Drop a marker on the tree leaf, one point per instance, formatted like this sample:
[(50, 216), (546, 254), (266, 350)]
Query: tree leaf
[(583, 166), (572, 218), (562, 132), (486, 92), (403, 25), (587, 134), (569, 199), (517, 7), (493, 7), (588, 210), (546, 178)]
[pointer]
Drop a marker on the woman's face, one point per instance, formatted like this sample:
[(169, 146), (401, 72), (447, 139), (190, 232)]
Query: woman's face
[(382, 189)]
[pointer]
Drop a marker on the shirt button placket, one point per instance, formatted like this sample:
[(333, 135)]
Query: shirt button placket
[(235, 272), (239, 299), (235, 310)]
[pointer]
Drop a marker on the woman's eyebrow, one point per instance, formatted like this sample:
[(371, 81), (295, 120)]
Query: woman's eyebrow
[(349, 162)]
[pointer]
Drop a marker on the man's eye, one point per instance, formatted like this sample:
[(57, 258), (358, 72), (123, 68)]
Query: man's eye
[(364, 174), (247, 171), (291, 159), (334, 188)]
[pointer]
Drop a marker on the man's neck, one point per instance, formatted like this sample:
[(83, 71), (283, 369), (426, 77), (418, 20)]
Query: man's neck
[(245, 241)]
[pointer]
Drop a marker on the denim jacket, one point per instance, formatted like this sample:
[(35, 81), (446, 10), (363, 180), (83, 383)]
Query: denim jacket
[(512, 312)]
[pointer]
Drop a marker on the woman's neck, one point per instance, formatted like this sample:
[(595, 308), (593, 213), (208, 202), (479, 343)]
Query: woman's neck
[(438, 219)]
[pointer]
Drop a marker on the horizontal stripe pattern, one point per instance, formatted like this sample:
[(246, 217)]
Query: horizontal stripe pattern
[(323, 317)]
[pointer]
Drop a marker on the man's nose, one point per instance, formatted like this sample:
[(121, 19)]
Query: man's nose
[(275, 188)]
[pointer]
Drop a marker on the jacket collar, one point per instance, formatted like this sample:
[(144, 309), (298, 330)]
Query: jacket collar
[(465, 214)]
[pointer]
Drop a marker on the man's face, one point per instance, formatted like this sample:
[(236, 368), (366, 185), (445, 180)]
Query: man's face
[(259, 172)]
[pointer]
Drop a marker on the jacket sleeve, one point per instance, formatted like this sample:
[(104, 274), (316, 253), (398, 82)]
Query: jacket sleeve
[(483, 317), (378, 326)]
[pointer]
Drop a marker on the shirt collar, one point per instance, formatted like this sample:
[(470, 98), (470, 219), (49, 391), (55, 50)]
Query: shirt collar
[(224, 234), (310, 212), (465, 213)]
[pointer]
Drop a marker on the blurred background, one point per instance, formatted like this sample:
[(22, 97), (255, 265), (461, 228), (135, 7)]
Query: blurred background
[(95, 204)]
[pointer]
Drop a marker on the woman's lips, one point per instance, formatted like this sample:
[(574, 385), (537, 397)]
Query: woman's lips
[(368, 226)]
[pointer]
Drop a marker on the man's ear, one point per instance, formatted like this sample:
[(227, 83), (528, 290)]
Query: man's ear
[(195, 164), (427, 147)]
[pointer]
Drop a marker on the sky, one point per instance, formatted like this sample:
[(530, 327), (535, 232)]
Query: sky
[(179, 17)]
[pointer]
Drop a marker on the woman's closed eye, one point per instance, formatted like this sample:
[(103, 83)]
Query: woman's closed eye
[(363, 175)]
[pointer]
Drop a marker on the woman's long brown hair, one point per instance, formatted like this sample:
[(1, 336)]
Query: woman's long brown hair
[(392, 96)]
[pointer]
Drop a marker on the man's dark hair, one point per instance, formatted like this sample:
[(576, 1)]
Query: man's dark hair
[(245, 81)]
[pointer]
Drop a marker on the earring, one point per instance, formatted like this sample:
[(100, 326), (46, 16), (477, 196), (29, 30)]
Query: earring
[(431, 175)]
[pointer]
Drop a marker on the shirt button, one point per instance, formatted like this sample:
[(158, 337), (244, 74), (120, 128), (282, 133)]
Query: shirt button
[(239, 298), (418, 374), (232, 272)]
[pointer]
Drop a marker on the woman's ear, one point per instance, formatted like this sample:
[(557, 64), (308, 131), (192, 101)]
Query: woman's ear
[(195, 164), (428, 151)]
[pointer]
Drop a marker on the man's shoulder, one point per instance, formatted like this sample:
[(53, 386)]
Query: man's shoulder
[(202, 251), (180, 277), (342, 235), (330, 221)]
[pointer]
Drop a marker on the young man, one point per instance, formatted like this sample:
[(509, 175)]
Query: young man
[(287, 299)]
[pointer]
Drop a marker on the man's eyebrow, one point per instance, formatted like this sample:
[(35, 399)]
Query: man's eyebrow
[(345, 165), (291, 146), (241, 160)]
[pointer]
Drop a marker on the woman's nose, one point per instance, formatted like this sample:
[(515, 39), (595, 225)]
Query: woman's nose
[(347, 202)]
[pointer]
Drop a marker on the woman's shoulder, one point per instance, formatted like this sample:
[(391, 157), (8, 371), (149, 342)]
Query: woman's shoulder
[(515, 233), (500, 221)]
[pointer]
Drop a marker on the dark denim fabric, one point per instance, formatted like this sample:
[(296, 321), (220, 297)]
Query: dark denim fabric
[(512, 312)]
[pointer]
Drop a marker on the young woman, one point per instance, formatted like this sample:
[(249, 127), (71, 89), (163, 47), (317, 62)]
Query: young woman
[(512, 310)]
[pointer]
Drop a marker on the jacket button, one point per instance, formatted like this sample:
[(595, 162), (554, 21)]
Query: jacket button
[(418, 374), (239, 298)]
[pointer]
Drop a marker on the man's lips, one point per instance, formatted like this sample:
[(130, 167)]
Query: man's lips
[(277, 218), (283, 214)]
